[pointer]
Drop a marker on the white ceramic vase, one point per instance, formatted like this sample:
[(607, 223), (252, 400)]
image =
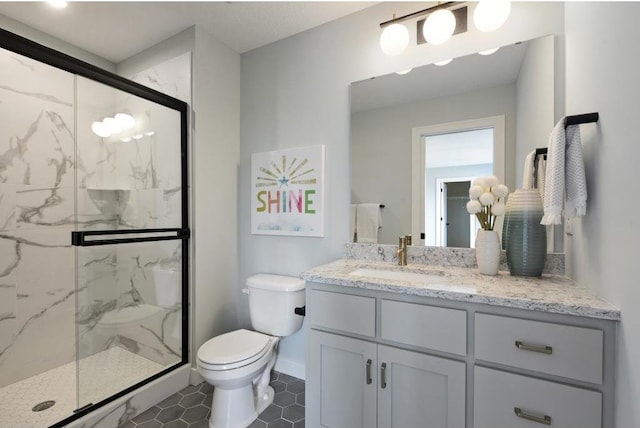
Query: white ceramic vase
[(488, 251)]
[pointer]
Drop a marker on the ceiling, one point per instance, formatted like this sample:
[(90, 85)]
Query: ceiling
[(117, 30)]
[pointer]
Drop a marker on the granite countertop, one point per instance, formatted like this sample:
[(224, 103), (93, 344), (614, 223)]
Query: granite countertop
[(550, 293)]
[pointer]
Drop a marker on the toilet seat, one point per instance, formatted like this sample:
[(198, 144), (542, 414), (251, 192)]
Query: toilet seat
[(233, 350)]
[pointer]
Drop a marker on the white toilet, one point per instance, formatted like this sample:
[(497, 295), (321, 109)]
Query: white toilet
[(238, 364)]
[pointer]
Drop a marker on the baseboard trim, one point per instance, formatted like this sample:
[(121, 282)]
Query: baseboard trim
[(195, 378), (290, 367)]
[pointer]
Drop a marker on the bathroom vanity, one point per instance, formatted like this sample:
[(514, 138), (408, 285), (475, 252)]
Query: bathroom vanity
[(426, 345)]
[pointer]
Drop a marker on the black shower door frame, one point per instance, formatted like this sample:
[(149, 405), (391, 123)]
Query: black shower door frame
[(44, 54)]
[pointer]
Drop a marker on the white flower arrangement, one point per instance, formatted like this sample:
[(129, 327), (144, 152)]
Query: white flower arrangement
[(486, 200)]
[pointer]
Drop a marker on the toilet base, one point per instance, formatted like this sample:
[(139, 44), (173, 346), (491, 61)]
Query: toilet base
[(265, 400), (237, 408)]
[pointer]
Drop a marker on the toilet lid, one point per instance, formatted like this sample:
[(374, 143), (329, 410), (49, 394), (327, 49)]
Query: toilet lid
[(233, 347)]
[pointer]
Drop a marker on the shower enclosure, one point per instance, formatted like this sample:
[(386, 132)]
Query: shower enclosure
[(93, 235)]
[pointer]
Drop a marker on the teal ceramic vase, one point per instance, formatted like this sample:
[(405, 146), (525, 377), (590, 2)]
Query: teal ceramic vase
[(523, 237)]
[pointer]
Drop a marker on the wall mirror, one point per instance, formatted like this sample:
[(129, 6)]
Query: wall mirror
[(417, 139)]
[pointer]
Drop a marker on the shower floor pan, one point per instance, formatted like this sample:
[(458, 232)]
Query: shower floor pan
[(101, 375)]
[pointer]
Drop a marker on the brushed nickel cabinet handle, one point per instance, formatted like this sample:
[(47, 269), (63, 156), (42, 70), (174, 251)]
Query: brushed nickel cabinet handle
[(369, 371), (544, 420), (541, 349), (383, 375)]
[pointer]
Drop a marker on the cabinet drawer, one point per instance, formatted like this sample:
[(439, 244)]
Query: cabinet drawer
[(498, 396), (430, 327), (354, 314), (572, 352)]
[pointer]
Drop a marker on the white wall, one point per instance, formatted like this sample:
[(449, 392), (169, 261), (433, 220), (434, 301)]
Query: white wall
[(602, 75), (216, 156), (296, 92), (535, 87), (381, 142)]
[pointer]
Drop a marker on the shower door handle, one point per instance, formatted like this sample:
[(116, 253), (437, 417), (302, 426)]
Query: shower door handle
[(90, 238)]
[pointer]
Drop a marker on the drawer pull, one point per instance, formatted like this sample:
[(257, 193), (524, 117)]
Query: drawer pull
[(383, 375), (544, 420), (541, 349), (369, 372)]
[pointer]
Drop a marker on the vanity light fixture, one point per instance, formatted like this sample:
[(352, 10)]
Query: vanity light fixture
[(490, 15), (439, 27), (100, 129), (394, 39), (441, 24), (489, 51), (126, 121), (113, 125)]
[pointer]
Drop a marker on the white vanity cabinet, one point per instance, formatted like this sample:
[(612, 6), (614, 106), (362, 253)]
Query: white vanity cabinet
[(362, 383), (382, 359)]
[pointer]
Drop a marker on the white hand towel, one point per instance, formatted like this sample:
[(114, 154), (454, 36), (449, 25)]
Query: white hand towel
[(527, 175), (542, 171), (369, 220), (352, 223), (564, 172), (535, 173)]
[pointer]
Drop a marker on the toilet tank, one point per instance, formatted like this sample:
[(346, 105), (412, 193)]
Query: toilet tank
[(272, 301)]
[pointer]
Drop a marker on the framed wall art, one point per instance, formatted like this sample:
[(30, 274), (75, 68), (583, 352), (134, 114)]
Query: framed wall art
[(287, 192)]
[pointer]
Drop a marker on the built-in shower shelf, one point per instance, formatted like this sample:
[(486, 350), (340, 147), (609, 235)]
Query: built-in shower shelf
[(110, 202)]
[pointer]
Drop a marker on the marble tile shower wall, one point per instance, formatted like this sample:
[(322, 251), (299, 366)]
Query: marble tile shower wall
[(55, 173)]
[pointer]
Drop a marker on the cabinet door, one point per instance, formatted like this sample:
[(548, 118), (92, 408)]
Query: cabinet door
[(341, 382), (421, 390)]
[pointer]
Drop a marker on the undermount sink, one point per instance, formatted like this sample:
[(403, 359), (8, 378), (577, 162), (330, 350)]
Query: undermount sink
[(397, 275)]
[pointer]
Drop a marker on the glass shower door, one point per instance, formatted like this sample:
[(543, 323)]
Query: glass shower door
[(130, 238)]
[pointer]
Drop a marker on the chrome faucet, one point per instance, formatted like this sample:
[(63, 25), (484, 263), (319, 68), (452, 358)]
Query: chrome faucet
[(402, 251)]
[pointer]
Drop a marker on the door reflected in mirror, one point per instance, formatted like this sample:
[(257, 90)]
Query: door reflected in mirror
[(452, 214), (451, 156)]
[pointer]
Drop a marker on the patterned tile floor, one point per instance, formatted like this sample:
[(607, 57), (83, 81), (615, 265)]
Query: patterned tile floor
[(190, 407)]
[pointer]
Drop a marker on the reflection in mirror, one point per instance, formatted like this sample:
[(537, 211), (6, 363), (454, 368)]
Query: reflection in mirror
[(452, 152), (394, 116), (452, 161)]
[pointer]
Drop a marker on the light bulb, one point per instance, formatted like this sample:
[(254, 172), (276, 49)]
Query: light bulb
[(394, 39), (126, 121), (443, 62), (489, 51), (100, 129), (112, 125), (138, 137), (402, 72), (439, 26), (126, 139), (490, 15), (149, 133)]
